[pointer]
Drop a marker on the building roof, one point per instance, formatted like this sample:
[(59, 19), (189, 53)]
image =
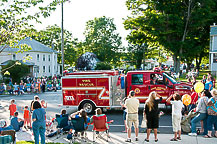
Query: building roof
[(35, 45), (26, 63)]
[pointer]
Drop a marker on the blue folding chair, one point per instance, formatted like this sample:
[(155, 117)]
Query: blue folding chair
[(62, 123), (78, 125)]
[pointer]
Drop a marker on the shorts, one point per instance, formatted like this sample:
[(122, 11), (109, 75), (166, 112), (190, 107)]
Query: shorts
[(132, 119), (176, 122), (28, 89), (152, 121)]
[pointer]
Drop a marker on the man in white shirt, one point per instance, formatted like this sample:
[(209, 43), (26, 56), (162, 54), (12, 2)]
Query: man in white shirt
[(132, 105)]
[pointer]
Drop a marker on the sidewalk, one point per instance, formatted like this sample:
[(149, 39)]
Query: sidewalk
[(119, 138)]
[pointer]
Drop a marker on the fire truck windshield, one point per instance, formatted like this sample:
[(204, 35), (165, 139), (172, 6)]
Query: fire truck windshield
[(170, 78)]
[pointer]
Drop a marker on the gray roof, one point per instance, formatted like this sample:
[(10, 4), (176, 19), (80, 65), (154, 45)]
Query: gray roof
[(26, 63), (35, 45)]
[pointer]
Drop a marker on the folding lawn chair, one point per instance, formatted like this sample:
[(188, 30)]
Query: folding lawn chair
[(100, 125), (79, 127), (12, 133), (62, 123)]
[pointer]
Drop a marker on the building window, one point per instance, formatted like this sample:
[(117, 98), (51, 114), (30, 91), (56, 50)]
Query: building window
[(43, 69), (48, 57), (38, 57), (49, 69), (14, 56), (43, 57), (215, 58)]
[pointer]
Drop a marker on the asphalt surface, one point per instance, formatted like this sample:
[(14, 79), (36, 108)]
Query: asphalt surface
[(54, 100)]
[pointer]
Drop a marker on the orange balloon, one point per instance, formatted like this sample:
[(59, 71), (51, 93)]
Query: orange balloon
[(186, 99)]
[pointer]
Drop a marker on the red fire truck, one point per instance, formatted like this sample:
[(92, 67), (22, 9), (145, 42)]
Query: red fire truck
[(89, 90)]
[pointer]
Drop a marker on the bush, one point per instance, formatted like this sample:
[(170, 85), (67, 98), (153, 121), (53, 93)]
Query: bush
[(16, 71), (103, 66)]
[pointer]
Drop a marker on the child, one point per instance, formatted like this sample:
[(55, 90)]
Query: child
[(26, 117), (33, 88), (12, 108), (177, 106), (28, 87), (21, 88), (43, 104), (16, 89)]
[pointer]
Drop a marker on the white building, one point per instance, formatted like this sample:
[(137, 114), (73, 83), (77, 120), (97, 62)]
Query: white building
[(44, 59), (213, 49)]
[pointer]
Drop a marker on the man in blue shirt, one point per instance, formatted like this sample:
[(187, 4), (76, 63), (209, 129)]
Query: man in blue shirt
[(49, 87), (16, 122)]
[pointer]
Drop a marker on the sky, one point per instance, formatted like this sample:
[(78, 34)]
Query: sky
[(78, 12)]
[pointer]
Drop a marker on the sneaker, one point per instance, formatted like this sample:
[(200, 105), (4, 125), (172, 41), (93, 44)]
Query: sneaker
[(173, 139), (136, 139), (128, 140), (192, 134), (179, 138)]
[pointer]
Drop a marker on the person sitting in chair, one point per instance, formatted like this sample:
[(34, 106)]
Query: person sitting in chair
[(49, 87), (82, 113), (16, 122), (98, 114)]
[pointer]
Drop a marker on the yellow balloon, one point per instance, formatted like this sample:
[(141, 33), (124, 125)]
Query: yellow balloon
[(186, 99), (199, 87)]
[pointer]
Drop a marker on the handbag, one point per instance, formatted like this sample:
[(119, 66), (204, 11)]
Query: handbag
[(144, 122)]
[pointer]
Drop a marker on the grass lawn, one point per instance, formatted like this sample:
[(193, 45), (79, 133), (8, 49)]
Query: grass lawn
[(199, 78)]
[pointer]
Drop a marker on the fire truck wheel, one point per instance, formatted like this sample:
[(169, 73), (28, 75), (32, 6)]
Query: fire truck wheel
[(88, 106)]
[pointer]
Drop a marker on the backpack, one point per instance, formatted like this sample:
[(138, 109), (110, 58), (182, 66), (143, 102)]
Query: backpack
[(212, 110)]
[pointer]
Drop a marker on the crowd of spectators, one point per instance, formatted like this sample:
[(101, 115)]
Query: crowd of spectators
[(31, 85)]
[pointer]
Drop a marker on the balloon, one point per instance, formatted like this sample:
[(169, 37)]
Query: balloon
[(199, 87), (186, 99)]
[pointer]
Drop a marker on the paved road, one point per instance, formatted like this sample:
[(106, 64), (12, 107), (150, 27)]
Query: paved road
[(54, 100)]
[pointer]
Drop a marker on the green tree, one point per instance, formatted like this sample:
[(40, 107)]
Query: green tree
[(180, 26), (15, 18), (16, 71), (102, 39), (103, 66), (136, 54)]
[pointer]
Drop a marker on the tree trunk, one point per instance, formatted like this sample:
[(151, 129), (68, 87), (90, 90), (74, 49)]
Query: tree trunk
[(188, 67), (138, 63), (176, 63), (198, 61), (197, 64)]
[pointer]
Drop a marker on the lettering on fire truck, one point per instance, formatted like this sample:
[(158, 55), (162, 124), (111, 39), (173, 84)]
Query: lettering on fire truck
[(69, 98)]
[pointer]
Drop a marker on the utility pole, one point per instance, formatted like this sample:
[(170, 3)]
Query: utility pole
[(62, 39)]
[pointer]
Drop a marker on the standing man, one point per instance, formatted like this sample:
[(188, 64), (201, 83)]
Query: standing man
[(132, 105)]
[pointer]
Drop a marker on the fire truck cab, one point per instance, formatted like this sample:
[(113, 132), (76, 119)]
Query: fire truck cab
[(105, 89), (144, 82)]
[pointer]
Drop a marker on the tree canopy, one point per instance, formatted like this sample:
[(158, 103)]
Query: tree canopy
[(102, 39), (16, 71), (15, 18), (179, 26)]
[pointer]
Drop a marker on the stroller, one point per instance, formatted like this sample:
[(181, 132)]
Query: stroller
[(49, 125), (185, 123)]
